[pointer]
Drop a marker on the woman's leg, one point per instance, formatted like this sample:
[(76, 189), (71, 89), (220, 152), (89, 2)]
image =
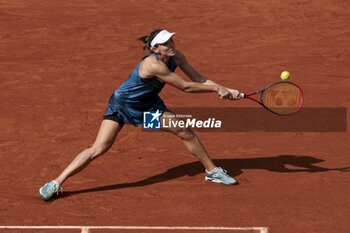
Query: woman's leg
[(193, 144), (191, 141), (104, 140)]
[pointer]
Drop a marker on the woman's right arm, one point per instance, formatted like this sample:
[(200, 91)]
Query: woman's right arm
[(153, 67)]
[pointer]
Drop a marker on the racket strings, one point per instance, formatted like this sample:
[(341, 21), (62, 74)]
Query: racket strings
[(282, 98)]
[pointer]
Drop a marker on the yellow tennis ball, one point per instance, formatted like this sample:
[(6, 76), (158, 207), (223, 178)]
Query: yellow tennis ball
[(285, 75)]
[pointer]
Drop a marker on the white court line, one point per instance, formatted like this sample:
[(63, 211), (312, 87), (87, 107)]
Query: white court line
[(86, 229)]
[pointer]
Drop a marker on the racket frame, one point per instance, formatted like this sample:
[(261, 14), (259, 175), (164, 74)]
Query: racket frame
[(247, 95)]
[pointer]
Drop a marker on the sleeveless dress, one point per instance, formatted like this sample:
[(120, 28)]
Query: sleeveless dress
[(137, 95)]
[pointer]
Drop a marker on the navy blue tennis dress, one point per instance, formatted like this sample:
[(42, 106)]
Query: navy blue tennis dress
[(137, 95)]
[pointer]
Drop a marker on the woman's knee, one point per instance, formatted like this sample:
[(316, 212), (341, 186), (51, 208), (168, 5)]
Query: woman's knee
[(99, 149), (185, 134)]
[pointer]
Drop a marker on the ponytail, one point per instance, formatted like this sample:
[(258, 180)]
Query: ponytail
[(148, 39), (145, 40)]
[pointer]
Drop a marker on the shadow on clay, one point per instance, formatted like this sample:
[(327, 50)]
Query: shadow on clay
[(235, 167)]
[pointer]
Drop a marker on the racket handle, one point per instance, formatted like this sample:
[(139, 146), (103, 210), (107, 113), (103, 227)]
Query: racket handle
[(242, 95)]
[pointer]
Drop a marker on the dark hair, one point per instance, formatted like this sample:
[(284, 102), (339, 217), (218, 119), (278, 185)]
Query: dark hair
[(148, 39)]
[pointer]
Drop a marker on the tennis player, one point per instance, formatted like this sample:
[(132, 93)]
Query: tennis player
[(139, 93)]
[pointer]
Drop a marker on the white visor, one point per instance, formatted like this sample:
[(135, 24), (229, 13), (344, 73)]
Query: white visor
[(161, 37)]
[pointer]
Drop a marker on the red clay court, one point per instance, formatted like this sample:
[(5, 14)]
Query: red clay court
[(61, 60)]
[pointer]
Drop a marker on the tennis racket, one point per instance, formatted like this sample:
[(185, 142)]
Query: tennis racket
[(282, 98)]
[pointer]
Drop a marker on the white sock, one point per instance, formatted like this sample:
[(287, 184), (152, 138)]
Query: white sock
[(212, 171)]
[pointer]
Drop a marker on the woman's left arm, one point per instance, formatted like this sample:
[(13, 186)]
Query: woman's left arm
[(195, 76)]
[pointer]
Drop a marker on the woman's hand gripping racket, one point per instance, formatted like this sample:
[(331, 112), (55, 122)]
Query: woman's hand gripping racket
[(282, 98)]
